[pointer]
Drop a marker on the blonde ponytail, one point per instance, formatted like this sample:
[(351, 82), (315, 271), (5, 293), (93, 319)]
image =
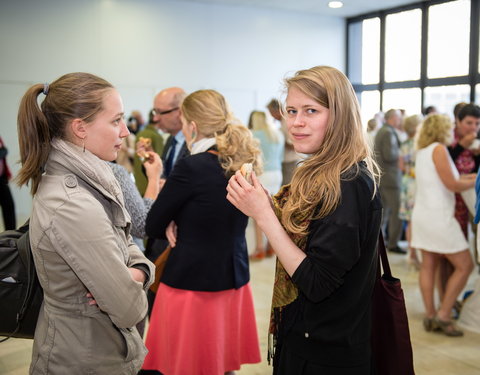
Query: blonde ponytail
[(237, 146), (235, 143)]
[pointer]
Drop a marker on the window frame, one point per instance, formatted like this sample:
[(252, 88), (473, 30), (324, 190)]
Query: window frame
[(472, 79)]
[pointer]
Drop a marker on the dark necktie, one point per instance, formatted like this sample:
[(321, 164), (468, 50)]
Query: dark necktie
[(169, 160)]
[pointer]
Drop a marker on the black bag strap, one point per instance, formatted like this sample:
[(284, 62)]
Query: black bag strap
[(26, 255), (382, 258), (23, 245)]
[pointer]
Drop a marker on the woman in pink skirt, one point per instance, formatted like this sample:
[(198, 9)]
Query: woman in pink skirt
[(203, 319)]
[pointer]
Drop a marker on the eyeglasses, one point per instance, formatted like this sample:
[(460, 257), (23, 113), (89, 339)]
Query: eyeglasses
[(157, 112)]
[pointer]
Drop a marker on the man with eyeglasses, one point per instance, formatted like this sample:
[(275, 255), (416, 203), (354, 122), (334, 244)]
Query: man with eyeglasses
[(167, 112)]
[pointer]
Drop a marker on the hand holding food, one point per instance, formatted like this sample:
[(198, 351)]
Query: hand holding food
[(246, 171), (153, 165), (144, 145)]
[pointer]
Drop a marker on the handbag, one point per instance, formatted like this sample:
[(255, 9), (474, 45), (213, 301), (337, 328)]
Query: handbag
[(21, 295), (159, 267), (391, 346)]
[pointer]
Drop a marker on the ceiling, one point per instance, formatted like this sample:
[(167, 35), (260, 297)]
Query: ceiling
[(350, 7)]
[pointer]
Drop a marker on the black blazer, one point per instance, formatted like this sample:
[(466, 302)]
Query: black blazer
[(211, 251), (183, 153), (331, 321)]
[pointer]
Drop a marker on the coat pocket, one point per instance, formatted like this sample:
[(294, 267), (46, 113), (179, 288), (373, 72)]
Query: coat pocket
[(135, 349)]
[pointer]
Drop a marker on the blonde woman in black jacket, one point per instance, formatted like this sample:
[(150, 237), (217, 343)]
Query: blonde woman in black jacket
[(203, 318)]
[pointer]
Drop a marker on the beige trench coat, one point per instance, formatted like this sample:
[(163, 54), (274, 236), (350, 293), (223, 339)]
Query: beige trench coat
[(80, 240)]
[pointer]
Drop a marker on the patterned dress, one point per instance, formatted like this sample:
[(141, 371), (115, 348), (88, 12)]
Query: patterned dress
[(407, 192), (465, 163)]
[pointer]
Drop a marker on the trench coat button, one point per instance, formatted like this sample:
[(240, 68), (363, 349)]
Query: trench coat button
[(70, 181)]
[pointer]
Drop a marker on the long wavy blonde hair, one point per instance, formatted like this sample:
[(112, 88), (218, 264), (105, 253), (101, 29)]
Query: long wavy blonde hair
[(315, 187), (235, 143)]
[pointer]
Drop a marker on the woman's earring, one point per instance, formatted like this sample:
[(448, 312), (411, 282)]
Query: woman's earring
[(194, 134), (83, 141)]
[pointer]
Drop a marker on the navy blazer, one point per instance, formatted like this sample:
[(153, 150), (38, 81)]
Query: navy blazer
[(211, 250)]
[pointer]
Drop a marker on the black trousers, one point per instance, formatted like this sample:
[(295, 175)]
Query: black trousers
[(8, 207)]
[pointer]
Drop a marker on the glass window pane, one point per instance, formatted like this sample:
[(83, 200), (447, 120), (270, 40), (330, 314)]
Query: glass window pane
[(403, 35), (407, 99), (477, 94), (369, 105), (371, 51), (444, 98), (448, 39), (355, 52)]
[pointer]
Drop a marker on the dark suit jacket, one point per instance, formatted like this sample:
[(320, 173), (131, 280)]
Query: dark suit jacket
[(211, 251), (183, 153), (387, 151)]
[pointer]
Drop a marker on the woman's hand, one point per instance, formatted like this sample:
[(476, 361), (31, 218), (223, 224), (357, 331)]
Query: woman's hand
[(137, 275), (467, 140), (153, 165), (143, 148), (171, 233), (91, 299), (252, 200), (153, 169)]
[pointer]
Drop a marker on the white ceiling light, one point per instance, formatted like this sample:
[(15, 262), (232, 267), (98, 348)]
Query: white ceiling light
[(335, 4)]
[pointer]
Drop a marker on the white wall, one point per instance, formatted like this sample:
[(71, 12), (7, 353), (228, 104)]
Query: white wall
[(142, 46)]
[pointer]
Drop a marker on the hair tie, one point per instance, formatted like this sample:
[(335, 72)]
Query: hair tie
[(46, 86)]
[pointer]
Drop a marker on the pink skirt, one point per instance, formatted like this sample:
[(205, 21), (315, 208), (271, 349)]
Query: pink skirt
[(201, 333)]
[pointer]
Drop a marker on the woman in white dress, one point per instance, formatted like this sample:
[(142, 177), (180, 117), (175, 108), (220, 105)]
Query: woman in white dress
[(434, 228)]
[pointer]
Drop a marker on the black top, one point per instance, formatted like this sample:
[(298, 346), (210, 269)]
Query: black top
[(211, 251), (330, 322)]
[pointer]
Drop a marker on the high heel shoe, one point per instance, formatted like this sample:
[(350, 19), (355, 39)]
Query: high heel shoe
[(447, 327), (428, 324), (457, 309)]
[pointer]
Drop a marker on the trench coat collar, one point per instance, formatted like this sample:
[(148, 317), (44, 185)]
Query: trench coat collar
[(65, 157)]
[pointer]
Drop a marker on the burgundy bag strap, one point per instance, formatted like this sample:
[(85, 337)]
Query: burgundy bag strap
[(382, 257)]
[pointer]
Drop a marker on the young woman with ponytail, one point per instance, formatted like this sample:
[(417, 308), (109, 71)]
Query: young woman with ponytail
[(203, 318), (92, 274), (323, 228)]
